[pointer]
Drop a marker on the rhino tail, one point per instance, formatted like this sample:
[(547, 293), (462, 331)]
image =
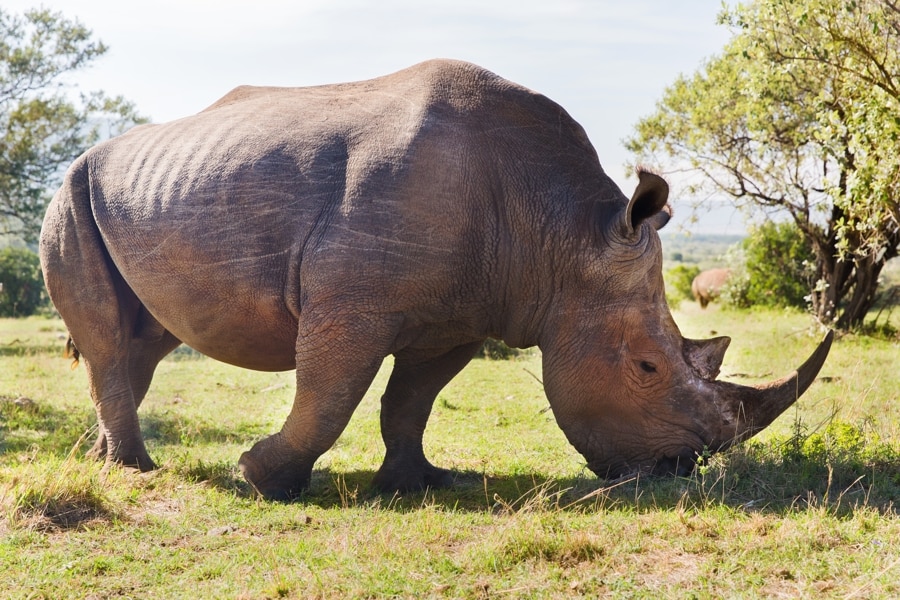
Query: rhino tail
[(72, 352)]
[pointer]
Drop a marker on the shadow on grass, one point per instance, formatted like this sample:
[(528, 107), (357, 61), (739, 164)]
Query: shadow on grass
[(754, 486), (26, 425), (839, 467), (751, 486), (471, 491)]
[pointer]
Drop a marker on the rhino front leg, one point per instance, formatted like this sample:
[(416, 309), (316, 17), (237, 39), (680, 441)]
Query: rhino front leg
[(405, 408), (337, 359)]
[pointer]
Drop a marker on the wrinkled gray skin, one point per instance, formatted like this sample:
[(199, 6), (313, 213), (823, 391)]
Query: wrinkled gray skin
[(707, 285), (321, 229)]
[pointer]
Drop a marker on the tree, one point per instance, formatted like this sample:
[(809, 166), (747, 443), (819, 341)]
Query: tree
[(44, 125), (800, 113), (21, 283)]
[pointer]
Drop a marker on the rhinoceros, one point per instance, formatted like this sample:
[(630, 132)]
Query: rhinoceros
[(417, 214), (707, 285)]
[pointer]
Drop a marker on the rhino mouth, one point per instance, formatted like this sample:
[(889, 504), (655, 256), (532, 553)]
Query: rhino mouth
[(680, 464)]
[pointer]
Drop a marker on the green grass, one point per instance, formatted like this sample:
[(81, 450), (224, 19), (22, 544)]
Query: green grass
[(807, 508)]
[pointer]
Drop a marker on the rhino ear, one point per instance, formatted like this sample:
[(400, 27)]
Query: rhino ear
[(648, 203)]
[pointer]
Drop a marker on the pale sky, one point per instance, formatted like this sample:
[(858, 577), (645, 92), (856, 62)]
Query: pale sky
[(605, 61)]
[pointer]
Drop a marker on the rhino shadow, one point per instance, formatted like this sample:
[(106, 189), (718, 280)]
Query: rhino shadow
[(475, 492), (472, 491)]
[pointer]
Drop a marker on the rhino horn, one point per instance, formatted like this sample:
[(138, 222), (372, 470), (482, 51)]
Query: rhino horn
[(753, 408)]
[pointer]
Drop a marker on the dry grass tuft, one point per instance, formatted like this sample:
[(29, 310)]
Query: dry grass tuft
[(57, 495)]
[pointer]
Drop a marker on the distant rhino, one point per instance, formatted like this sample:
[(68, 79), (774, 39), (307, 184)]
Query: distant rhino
[(708, 285), (321, 229)]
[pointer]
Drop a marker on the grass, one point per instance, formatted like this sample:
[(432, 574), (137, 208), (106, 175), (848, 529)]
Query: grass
[(805, 509)]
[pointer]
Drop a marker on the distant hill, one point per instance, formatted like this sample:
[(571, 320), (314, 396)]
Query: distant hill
[(701, 249)]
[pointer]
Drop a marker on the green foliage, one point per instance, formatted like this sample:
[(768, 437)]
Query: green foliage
[(799, 113), (22, 291), (840, 453), (43, 124), (772, 266), (678, 283), (496, 350), (843, 441)]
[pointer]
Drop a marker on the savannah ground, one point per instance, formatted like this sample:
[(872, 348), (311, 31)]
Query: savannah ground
[(806, 509)]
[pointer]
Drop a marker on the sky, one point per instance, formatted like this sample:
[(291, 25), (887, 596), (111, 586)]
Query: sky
[(606, 62)]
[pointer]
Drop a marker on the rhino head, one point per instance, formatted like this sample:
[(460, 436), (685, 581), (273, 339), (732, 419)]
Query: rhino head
[(629, 391)]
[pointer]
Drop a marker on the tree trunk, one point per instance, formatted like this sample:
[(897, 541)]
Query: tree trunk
[(863, 286), (851, 286)]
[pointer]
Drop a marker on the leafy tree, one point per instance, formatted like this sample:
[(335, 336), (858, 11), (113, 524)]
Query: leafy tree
[(44, 125), (800, 113), (22, 288)]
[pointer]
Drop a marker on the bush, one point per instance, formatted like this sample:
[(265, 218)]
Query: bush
[(496, 350), (678, 283), (773, 266), (23, 284)]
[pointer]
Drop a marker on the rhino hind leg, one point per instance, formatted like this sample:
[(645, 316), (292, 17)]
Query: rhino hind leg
[(117, 340), (120, 366), (146, 349), (405, 408)]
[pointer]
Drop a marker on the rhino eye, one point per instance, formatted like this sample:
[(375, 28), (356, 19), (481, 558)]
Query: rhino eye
[(648, 367)]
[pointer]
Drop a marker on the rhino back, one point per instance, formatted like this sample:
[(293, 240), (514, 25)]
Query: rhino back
[(378, 195)]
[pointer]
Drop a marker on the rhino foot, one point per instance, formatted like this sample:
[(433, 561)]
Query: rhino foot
[(131, 456), (411, 478), (274, 471), (98, 451), (140, 463)]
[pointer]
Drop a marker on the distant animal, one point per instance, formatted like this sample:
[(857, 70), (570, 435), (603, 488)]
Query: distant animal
[(707, 285), (321, 229)]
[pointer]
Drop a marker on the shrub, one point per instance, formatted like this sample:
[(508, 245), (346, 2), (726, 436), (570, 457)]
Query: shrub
[(23, 284), (772, 266), (678, 283), (496, 350)]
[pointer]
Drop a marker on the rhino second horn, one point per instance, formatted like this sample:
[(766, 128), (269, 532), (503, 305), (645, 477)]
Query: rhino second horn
[(706, 356)]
